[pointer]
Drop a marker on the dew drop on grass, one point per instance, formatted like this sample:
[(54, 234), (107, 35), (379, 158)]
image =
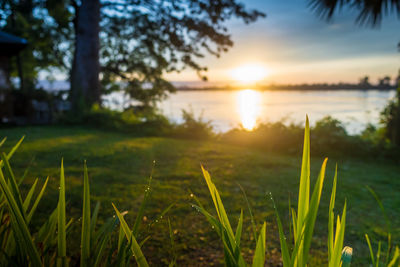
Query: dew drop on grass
[(191, 195)]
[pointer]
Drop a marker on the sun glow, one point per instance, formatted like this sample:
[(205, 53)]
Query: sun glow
[(250, 73), (248, 103)]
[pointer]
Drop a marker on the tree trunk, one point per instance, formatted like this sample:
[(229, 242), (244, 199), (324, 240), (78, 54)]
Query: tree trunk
[(85, 85)]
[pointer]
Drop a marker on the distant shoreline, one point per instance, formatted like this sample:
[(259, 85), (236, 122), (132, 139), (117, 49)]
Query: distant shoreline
[(313, 87)]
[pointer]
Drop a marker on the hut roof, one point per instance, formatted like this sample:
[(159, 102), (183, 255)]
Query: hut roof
[(11, 44)]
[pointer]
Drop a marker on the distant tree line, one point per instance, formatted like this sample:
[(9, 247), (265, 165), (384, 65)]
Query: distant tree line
[(384, 83)]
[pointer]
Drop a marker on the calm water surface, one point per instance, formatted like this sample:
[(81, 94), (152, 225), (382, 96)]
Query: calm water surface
[(228, 109)]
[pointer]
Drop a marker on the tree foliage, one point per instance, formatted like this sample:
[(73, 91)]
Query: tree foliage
[(140, 40), (47, 41), (370, 12)]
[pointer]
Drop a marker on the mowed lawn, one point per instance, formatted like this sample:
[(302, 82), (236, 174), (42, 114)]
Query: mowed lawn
[(120, 166)]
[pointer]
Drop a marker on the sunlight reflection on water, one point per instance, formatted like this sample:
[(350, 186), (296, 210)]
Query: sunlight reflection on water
[(248, 107)]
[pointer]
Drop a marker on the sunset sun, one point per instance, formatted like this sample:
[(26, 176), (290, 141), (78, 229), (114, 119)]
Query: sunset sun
[(249, 73)]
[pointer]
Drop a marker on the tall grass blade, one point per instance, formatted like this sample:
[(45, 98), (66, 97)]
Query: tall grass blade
[(378, 254), (101, 239), (339, 239), (371, 252), (93, 220), (238, 233), (61, 234), (331, 219), (135, 248), (171, 237), (13, 183), (304, 188), (85, 239), (140, 214), (284, 247), (253, 224), (3, 141), (259, 254), (396, 256), (29, 196), (37, 200), (12, 151), (313, 210), (219, 207), (19, 224), (387, 222)]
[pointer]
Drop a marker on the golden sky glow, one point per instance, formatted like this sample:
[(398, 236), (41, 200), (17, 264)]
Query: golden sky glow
[(296, 47), (249, 73)]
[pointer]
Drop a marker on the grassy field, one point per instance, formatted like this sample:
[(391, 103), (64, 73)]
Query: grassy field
[(120, 165)]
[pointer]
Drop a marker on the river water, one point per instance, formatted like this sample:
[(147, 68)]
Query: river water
[(228, 109)]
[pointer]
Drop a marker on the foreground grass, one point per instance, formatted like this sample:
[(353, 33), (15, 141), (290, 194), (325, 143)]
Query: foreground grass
[(119, 167)]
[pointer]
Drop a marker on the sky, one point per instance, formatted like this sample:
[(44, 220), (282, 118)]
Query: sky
[(293, 45)]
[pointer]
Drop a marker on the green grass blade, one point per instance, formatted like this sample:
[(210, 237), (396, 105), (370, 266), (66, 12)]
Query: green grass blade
[(238, 233), (396, 256), (387, 222), (215, 224), (135, 248), (19, 225), (29, 196), (85, 239), (2, 141), (12, 151), (284, 247), (121, 237), (371, 252), (294, 221), (304, 187), (103, 236), (253, 224), (378, 254), (37, 200), (173, 250), (93, 220), (331, 219), (379, 201), (13, 184), (313, 210), (48, 230), (61, 234), (259, 254), (223, 217), (26, 171), (339, 239), (139, 216)]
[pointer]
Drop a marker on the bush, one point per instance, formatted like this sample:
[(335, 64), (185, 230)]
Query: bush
[(138, 122), (192, 127)]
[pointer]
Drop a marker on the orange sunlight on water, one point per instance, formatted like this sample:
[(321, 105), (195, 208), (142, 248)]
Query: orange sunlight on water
[(248, 107)]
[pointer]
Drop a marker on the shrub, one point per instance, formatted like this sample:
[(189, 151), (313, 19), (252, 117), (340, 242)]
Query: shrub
[(192, 127)]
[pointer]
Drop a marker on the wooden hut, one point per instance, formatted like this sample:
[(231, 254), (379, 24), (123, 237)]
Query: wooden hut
[(10, 46)]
